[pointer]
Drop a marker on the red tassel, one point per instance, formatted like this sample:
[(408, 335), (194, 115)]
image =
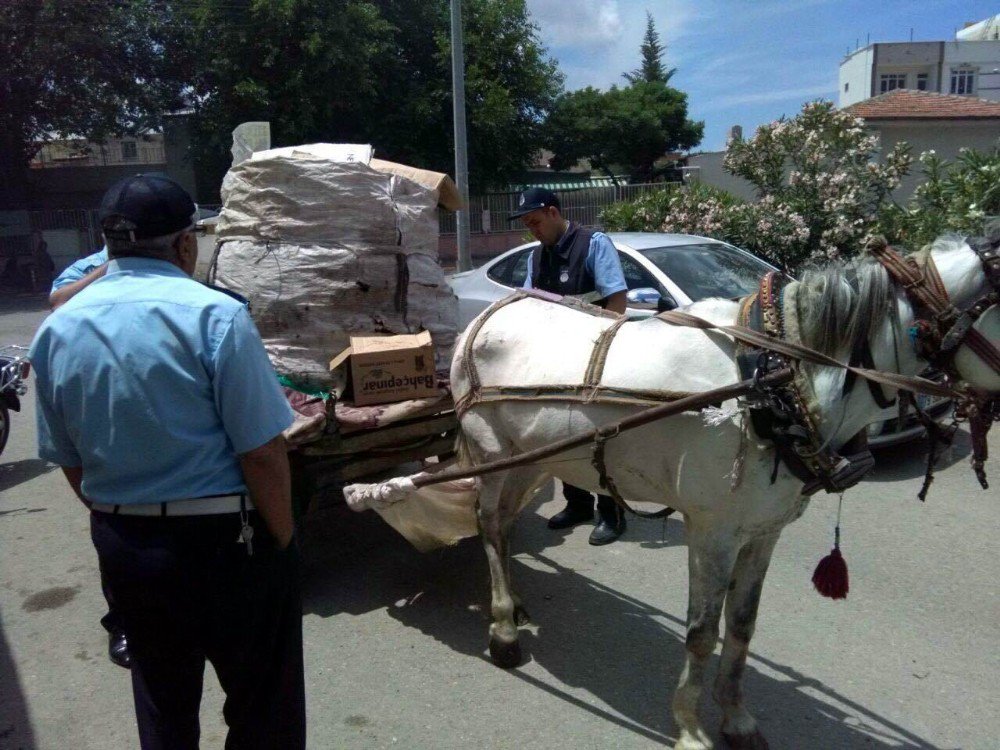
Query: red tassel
[(830, 576)]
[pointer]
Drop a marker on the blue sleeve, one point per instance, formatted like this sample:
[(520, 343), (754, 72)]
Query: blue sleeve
[(54, 442), (603, 263), (527, 278), (81, 268), (250, 401)]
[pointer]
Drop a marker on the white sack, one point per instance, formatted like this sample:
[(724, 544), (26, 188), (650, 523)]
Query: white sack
[(324, 250), (307, 301), (429, 517)]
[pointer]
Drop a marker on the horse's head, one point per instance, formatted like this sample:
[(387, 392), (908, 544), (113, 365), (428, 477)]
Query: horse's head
[(969, 341)]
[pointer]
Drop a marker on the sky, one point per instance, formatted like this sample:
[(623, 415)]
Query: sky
[(741, 62)]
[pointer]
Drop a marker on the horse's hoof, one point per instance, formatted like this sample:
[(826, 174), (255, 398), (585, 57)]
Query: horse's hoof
[(521, 616), (698, 741), (753, 741), (505, 654)]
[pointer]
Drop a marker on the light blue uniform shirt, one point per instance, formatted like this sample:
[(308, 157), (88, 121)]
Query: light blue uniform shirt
[(81, 268), (155, 385), (602, 263)]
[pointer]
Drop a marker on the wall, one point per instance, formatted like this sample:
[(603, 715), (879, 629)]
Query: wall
[(982, 55), (856, 71), (711, 172), (65, 187), (909, 58), (945, 138)]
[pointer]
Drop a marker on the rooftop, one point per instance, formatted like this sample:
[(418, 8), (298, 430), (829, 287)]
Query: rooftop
[(907, 104)]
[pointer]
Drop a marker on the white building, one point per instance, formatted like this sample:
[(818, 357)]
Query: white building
[(969, 65)]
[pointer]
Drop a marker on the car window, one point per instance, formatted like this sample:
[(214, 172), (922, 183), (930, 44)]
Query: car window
[(513, 270), (500, 272), (636, 277), (710, 269), (519, 268)]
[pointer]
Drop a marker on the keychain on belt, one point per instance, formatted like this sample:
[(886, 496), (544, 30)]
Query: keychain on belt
[(246, 530)]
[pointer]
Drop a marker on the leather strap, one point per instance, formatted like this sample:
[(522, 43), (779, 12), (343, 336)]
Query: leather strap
[(805, 354)]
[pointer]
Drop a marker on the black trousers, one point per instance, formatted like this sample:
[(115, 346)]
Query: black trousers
[(579, 497), (186, 591), (111, 621)]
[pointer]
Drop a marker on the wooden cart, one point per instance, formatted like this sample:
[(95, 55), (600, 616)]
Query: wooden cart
[(321, 469)]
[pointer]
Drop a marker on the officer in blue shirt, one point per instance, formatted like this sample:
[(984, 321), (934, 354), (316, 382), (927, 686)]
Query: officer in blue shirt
[(579, 262), (78, 276), (74, 279), (157, 399)]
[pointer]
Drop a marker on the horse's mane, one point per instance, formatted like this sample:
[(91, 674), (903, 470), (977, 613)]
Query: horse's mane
[(841, 302)]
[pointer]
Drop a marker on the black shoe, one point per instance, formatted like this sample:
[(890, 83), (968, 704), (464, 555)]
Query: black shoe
[(571, 515), (118, 649), (610, 527)]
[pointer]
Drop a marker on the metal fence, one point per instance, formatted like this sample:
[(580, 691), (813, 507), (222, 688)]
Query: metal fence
[(69, 233), (491, 212)]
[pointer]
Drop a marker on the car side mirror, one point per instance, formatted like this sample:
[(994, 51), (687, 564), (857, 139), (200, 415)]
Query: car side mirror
[(664, 304), (642, 296)]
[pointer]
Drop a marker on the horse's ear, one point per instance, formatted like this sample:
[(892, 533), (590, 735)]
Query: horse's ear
[(875, 243)]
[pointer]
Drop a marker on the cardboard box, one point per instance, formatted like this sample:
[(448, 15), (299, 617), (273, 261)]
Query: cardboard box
[(384, 369)]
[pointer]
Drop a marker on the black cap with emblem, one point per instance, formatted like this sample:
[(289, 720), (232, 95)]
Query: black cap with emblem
[(533, 199), (145, 206)]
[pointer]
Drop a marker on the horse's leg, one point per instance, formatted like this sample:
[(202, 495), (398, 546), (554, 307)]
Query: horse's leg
[(710, 565), (739, 728), (505, 651)]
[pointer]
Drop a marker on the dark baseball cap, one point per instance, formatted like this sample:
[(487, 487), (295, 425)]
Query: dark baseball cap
[(533, 199), (145, 206)]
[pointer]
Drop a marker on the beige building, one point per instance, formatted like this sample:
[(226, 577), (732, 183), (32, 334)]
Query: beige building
[(968, 65), (929, 121)]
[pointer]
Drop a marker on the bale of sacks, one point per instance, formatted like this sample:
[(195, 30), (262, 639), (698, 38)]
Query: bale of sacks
[(326, 249)]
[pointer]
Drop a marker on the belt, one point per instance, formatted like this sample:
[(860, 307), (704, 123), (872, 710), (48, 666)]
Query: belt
[(199, 506)]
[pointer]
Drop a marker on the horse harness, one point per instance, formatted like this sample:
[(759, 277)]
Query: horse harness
[(940, 329), (783, 416)]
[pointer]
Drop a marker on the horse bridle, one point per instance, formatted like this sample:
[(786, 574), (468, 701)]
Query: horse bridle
[(940, 329)]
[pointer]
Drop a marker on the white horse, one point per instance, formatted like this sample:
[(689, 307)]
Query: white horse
[(717, 475)]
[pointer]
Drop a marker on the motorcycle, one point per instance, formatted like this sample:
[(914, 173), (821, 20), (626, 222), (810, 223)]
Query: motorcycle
[(14, 369)]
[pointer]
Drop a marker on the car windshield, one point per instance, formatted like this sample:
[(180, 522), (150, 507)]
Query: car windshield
[(709, 269)]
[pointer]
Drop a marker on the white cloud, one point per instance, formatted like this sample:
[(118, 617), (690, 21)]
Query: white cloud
[(585, 22), (596, 41)]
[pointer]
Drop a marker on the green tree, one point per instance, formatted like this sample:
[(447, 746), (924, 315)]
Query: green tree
[(378, 72), (88, 68), (630, 128), (309, 67), (960, 196), (652, 68)]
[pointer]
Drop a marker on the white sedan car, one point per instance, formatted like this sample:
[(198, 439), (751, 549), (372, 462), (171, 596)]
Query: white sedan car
[(663, 271)]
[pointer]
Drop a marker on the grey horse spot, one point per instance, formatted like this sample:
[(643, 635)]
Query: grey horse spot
[(52, 598), (82, 655), (357, 720)]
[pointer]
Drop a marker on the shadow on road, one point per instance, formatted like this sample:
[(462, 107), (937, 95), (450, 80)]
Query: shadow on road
[(589, 637), (23, 302), (15, 724), (17, 472)]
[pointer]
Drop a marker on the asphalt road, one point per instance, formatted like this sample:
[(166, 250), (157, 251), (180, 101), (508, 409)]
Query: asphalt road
[(395, 640)]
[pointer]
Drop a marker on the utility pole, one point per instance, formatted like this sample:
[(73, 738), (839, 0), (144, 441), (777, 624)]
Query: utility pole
[(461, 153)]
